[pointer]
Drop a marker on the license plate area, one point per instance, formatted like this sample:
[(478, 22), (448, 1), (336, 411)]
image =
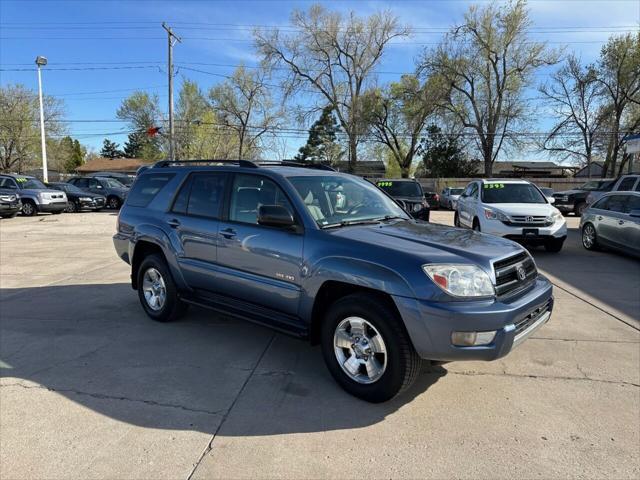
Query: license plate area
[(530, 232)]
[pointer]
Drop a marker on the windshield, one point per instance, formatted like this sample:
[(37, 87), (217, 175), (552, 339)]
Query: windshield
[(335, 200), (67, 187), (400, 189), (456, 191), (511, 193), (125, 180), (32, 183), (594, 185), (111, 183)]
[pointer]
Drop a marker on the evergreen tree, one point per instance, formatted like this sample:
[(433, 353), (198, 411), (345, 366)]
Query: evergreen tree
[(111, 149), (321, 146), (134, 145), (76, 156), (443, 156)]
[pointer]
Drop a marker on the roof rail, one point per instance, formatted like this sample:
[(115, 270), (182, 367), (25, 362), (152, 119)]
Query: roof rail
[(289, 163), (167, 163)]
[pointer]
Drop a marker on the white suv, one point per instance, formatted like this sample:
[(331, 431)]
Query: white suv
[(514, 209)]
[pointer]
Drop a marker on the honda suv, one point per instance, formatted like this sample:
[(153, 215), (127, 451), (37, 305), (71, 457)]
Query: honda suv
[(378, 290)]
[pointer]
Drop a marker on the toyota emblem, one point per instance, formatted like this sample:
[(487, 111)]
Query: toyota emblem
[(522, 273)]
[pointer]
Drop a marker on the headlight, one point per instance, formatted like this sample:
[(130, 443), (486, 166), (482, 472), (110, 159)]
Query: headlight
[(461, 280), (495, 215), (7, 198), (417, 207), (555, 216)]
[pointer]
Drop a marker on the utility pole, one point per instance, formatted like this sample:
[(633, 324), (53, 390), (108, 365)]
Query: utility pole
[(172, 38), (41, 62)]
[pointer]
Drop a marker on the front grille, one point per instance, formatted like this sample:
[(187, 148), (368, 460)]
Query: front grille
[(528, 221), (508, 280), (532, 317)]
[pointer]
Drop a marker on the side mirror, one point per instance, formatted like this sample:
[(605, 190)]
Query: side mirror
[(275, 216), (634, 213), (551, 199)]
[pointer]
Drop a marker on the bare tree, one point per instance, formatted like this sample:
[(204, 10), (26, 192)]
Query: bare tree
[(619, 75), (335, 55), (244, 104), (19, 126), (575, 96), (487, 63), (399, 113)]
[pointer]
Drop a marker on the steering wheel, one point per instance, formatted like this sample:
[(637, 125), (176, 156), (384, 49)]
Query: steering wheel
[(354, 208)]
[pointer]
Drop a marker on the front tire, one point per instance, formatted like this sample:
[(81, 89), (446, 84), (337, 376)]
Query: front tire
[(114, 203), (29, 208), (157, 291), (366, 348), (589, 237)]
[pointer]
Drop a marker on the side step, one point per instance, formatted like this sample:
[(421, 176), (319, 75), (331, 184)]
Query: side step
[(282, 322)]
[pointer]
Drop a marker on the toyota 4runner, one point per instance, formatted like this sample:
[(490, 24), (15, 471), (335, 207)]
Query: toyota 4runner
[(328, 257)]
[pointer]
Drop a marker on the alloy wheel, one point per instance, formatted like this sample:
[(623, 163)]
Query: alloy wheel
[(155, 291), (588, 236), (360, 350)]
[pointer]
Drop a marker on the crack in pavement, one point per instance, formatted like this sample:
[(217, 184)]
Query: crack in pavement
[(209, 446), (103, 396), (543, 377), (582, 340)]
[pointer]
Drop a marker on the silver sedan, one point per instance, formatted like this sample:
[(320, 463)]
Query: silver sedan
[(614, 222)]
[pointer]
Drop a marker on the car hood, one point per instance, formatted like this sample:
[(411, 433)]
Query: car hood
[(523, 208), (432, 242), (35, 191)]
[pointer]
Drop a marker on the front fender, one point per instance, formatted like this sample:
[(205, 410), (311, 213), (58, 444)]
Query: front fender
[(351, 271)]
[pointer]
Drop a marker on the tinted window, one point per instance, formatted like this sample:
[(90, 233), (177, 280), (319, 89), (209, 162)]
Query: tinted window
[(601, 204), (111, 183), (617, 203), (182, 199), (455, 191), (400, 189), (637, 189), (147, 187), (633, 203), (511, 193), (7, 183), (627, 184), (251, 191), (207, 190)]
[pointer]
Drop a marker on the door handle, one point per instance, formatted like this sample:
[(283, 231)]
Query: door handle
[(599, 217), (174, 223), (228, 233), (620, 222)]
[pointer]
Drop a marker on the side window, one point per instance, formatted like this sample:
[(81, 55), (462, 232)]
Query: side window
[(147, 187), (251, 191), (617, 203), (207, 190), (637, 189), (626, 184), (633, 203), (81, 183), (181, 202), (602, 204), (473, 193), (8, 183)]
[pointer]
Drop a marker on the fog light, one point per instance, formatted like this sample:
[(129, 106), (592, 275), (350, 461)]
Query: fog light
[(470, 339)]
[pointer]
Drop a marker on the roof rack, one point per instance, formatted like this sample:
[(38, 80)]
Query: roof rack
[(289, 163), (240, 163)]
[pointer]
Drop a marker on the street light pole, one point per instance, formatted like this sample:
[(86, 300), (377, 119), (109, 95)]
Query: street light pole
[(41, 61), (171, 36)]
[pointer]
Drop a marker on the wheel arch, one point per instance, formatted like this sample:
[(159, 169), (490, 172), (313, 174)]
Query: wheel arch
[(149, 240)]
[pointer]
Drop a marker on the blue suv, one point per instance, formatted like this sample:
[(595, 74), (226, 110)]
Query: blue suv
[(331, 258)]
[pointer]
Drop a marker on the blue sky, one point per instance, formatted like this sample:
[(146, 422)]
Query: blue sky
[(124, 43)]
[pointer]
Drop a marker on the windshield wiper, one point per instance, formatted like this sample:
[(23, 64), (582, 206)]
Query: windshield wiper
[(346, 223), (390, 217)]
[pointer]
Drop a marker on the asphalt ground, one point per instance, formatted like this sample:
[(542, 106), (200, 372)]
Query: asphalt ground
[(91, 388)]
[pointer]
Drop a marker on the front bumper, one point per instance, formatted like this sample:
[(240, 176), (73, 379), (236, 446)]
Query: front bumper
[(10, 208), (93, 204), (494, 227), (52, 207), (430, 324), (564, 207), (423, 214)]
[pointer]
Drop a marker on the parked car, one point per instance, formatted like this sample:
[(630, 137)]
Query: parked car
[(625, 183), (10, 204), (79, 200), (34, 195), (377, 289), (514, 209), (409, 194), (449, 197), (123, 178), (613, 222), (111, 189), (575, 200)]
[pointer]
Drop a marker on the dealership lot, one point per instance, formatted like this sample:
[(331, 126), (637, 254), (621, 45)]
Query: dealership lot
[(92, 388)]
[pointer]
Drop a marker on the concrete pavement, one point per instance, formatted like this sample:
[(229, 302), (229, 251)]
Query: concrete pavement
[(91, 388)]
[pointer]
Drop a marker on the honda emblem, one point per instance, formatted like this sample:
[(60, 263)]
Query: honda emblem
[(522, 273)]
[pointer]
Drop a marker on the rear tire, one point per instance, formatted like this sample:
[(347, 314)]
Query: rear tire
[(157, 291), (589, 237), (554, 245), (381, 360)]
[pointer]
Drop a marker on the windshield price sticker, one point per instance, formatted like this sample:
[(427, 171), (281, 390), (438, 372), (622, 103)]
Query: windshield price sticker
[(21, 179), (494, 185), (385, 184)]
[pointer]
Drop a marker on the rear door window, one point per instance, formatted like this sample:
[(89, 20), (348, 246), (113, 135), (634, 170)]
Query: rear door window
[(633, 203), (205, 197), (617, 203), (147, 187), (627, 184)]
